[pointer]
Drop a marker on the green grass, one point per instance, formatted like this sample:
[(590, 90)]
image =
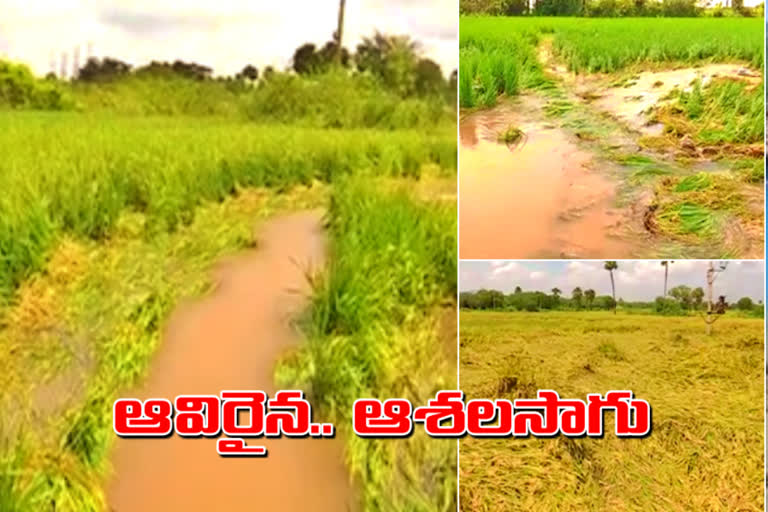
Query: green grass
[(76, 174), (699, 456), (600, 45), (493, 65), (374, 332)]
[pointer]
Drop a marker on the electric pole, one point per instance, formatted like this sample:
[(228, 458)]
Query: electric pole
[(711, 276)]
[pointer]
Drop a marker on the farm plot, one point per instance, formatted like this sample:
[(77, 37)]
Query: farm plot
[(670, 128), (701, 453)]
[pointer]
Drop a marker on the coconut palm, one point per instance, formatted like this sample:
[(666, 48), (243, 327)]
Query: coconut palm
[(340, 31), (666, 265), (610, 266)]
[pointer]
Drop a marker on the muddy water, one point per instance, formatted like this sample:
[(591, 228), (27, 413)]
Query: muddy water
[(230, 340), (631, 102), (540, 198)]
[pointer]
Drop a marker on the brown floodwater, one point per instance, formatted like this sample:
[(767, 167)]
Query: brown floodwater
[(230, 340), (542, 197)]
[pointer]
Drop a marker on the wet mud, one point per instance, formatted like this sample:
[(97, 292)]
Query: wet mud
[(541, 197), (632, 101), (231, 340)]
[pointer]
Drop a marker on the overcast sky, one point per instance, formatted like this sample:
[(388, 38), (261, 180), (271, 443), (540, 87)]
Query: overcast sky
[(223, 34), (635, 280)]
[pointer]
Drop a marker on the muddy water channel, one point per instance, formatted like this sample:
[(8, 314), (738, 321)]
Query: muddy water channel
[(231, 340), (541, 196)]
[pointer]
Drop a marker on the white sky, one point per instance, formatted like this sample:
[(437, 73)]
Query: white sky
[(222, 34), (635, 280)]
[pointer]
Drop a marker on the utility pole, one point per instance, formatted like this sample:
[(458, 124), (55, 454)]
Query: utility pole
[(76, 62), (340, 31), (64, 68), (711, 276)]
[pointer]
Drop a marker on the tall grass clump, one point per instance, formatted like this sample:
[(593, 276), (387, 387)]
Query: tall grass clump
[(165, 95), (52, 162), (371, 334), (494, 63)]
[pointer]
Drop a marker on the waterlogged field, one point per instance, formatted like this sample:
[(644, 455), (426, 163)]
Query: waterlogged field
[(500, 52), (705, 451), (666, 114), (110, 220)]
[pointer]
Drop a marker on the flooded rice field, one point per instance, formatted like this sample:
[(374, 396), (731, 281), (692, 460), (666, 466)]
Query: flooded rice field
[(566, 174), (540, 197), (231, 340)]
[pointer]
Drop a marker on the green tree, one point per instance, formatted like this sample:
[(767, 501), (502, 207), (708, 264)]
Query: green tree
[(392, 59), (429, 78), (576, 296), (514, 7), (589, 297), (249, 72), (745, 304), (697, 294), (683, 294), (610, 266)]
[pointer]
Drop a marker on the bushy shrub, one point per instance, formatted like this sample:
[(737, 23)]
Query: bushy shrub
[(665, 306), (339, 100), (20, 89)]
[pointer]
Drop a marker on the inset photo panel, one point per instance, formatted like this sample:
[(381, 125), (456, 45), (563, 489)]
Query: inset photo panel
[(612, 385), (611, 137)]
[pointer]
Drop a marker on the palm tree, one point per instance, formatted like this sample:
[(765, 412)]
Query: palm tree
[(556, 292), (666, 265), (340, 31), (610, 266)]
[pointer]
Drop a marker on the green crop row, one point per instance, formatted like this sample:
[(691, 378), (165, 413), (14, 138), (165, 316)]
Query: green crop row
[(77, 174)]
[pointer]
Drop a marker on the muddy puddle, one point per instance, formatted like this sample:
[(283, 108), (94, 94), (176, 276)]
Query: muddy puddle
[(541, 197), (230, 340), (631, 101)]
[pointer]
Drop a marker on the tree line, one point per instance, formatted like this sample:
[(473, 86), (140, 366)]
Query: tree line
[(393, 60), (608, 8), (680, 300)]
